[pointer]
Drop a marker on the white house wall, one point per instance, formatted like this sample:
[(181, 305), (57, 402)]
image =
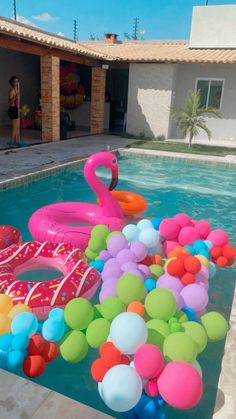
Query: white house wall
[(223, 128), (149, 99)]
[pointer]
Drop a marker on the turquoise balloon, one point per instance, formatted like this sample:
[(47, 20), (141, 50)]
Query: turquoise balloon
[(25, 323), (14, 359), (20, 342), (5, 341), (53, 329)]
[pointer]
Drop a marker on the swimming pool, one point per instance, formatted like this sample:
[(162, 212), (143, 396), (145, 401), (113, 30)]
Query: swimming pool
[(170, 186)]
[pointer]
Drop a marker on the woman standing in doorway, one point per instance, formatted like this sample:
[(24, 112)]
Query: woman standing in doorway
[(13, 111)]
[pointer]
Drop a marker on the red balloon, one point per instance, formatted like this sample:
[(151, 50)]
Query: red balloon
[(192, 264), (176, 267), (125, 359), (36, 344), (187, 278), (50, 351), (34, 366), (216, 252), (98, 369), (222, 262), (229, 251)]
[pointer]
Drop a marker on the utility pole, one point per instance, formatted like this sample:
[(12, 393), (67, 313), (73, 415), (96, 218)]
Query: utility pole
[(135, 28), (75, 30), (14, 9)]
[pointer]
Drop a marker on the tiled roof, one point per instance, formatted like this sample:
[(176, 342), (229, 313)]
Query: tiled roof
[(162, 51), (35, 35)]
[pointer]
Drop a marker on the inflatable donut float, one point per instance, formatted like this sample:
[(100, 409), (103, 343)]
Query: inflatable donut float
[(9, 235), (79, 280), (130, 202)]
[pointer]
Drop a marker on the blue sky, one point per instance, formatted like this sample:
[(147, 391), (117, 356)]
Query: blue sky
[(161, 19)]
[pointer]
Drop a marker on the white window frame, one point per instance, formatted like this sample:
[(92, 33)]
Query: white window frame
[(208, 93)]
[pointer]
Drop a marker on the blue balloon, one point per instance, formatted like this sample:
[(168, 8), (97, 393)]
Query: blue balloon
[(97, 264), (131, 232), (150, 284), (148, 408), (208, 244), (212, 269), (53, 330), (57, 313), (25, 323), (191, 249), (199, 245), (145, 223), (3, 359), (14, 359), (190, 313), (156, 223), (205, 253), (5, 341), (20, 342)]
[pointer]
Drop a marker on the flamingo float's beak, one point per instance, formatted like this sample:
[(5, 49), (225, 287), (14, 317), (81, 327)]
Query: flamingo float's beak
[(114, 179)]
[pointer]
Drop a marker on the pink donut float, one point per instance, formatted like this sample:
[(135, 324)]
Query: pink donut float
[(79, 280)]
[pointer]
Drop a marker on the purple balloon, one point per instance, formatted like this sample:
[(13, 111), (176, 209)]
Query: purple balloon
[(125, 255), (111, 269), (195, 296), (116, 243), (204, 272), (104, 255), (145, 269), (108, 289), (128, 265), (139, 249), (137, 273), (169, 282)]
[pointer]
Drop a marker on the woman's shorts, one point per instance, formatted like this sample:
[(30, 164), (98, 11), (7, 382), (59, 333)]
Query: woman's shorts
[(13, 112)]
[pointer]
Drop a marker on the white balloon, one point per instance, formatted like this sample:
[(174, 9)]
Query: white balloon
[(197, 367), (121, 388), (100, 389), (128, 332)]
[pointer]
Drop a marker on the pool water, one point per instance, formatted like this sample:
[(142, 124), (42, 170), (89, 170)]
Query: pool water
[(170, 186)]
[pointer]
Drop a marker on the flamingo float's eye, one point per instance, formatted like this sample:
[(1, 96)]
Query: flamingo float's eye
[(114, 161)]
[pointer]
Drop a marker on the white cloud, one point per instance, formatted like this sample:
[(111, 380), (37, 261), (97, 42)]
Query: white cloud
[(24, 20), (45, 17), (60, 34)]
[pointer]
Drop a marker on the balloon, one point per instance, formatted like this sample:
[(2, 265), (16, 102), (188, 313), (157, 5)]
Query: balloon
[(100, 230), (104, 255), (56, 314), (5, 303), (145, 223), (156, 271), (180, 385), (192, 264), (151, 388), (215, 326), (97, 332), (53, 329), (182, 219), (156, 222), (131, 232), (203, 227), (112, 268), (197, 333), (125, 255), (197, 367), (50, 351), (178, 299), (5, 324), (19, 308), (14, 359), (188, 235), (150, 284), (108, 289), (160, 304), (130, 288), (116, 243), (212, 269), (36, 344), (218, 237), (111, 307), (121, 388), (74, 346), (136, 307), (180, 347), (97, 264), (5, 341), (170, 282), (78, 313), (145, 270), (98, 369), (128, 266), (25, 323), (20, 342), (34, 366), (139, 249), (195, 296), (158, 330), (169, 245), (169, 229), (148, 361), (128, 332), (149, 237)]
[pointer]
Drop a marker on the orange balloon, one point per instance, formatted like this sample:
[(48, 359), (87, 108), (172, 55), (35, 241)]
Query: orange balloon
[(136, 307)]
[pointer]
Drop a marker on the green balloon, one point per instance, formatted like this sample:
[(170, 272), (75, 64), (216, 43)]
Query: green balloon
[(215, 326), (197, 333), (100, 230), (179, 347), (156, 271), (73, 347), (97, 312), (89, 254), (96, 244), (130, 288), (158, 330), (181, 316), (175, 327), (160, 304), (111, 307), (98, 332), (78, 313)]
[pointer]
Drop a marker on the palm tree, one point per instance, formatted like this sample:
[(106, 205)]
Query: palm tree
[(189, 119)]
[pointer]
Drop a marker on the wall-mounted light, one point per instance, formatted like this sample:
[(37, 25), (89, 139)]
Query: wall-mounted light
[(105, 66)]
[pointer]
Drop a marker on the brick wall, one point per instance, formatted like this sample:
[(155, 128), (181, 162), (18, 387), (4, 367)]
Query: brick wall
[(97, 100), (50, 95)]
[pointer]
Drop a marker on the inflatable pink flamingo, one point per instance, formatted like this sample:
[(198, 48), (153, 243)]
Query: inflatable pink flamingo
[(71, 222)]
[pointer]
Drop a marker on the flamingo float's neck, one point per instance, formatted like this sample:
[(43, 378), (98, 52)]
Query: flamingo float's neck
[(109, 205)]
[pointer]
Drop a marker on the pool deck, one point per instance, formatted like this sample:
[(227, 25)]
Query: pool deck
[(23, 399)]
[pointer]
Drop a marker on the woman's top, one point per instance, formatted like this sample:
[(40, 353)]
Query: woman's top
[(14, 99)]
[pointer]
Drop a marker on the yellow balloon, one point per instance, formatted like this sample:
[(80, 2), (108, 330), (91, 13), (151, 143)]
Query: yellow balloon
[(5, 324), (203, 260), (5, 303), (19, 308)]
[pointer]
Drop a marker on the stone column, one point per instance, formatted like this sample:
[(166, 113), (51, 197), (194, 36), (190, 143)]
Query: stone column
[(97, 100), (50, 96)]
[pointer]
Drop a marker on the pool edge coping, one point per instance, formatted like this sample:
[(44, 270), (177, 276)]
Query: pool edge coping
[(220, 409)]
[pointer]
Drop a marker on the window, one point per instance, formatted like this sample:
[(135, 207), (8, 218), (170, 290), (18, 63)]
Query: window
[(210, 92)]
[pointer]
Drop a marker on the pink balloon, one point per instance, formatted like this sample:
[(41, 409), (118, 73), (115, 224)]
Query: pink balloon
[(195, 296), (218, 237), (180, 385), (148, 361), (182, 219), (170, 282), (169, 229), (151, 388), (169, 245), (188, 235), (203, 228)]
